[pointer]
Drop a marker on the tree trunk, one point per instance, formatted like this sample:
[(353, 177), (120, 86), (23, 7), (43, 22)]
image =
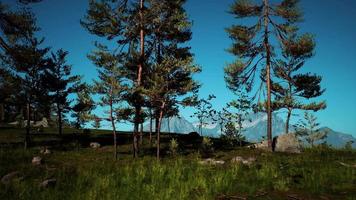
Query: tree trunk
[(139, 79), (135, 133), (287, 120), (151, 126), (159, 127), (169, 129), (28, 125), (59, 113), (2, 112), (113, 129), (141, 133), (142, 44), (268, 74)]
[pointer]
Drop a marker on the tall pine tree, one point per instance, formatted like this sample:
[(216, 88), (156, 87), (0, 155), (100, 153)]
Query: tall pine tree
[(253, 45)]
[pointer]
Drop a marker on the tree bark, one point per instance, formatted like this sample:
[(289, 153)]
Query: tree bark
[(151, 119), (268, 74), (2, 112), (139, 79), (141, 133), (59, 113), (159, 128), (169, 129), (113, 128), (288, 119), (28, 125)]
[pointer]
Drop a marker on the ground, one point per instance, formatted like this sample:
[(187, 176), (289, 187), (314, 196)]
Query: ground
[(85, 173)]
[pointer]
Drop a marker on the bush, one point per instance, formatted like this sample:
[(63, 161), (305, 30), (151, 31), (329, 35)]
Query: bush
[(173, 146), (207, 145)]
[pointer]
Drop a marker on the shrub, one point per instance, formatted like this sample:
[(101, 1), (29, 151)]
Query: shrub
[(173, 146), (207, 144)]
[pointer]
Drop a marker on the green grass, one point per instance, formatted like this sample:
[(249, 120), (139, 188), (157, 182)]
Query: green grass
[(92, 174)]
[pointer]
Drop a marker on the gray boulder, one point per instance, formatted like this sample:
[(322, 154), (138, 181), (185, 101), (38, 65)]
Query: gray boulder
[(48, 183), (248, 161), (10, 176), (94, 145), (36, 160), (288, 143)]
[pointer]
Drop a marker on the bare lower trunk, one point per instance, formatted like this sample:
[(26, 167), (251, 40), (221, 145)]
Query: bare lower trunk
[(28, 125), (135, 135), (59, 113), (2, 112), (287, 120), (268, 75), (169, 129), (139, 78), (141, 133), (159, 128), (151, 127), (113, 130)]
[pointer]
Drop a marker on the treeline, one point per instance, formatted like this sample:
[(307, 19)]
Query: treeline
[(145, 66)]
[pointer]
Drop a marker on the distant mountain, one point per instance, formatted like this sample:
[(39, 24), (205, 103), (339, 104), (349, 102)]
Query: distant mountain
[(176, 125), (337, 139), (255, 129)]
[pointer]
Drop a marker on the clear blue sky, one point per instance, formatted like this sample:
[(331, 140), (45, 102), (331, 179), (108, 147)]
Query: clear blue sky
[(332, 21)]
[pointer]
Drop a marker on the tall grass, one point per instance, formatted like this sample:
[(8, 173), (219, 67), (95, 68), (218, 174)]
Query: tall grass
[(89, 174)]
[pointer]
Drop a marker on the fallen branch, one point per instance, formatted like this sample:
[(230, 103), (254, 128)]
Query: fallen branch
[(347, 165)]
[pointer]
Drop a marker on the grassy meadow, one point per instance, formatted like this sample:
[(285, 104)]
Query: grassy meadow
[(85, 173)]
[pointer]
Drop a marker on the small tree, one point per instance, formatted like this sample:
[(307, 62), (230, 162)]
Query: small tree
[(232, 134), (81, 110), (109, 86), (220, 117), (293, 90), (97, 122), (203, 112), (308, 129), (60, 83)]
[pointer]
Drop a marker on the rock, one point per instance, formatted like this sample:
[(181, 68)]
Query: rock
[(10, 176), (45, 151), (94, 145), (261, 145), (210, 161), (43, 123), (48, 183), (288, 143), (36, 160), (249, 161)]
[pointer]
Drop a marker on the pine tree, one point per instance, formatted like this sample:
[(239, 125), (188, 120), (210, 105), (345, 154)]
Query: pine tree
[(81, 110), (60, 83), (308, 128), (293, 87), (110, 85), (253, 44), (126, 22), (203, 111)]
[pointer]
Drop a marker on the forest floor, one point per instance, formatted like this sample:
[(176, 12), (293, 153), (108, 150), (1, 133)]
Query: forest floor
[(81, 172)]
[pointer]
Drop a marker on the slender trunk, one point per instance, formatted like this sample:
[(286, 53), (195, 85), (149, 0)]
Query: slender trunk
[(151, 126), (142, 44), (139, 79), (28, 125), (59, 113), (156, 123), (141, 133), (287, 120), (169, 129), (2, 112), (159, 127), (113, 128), (135, 133), (268, 74)]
